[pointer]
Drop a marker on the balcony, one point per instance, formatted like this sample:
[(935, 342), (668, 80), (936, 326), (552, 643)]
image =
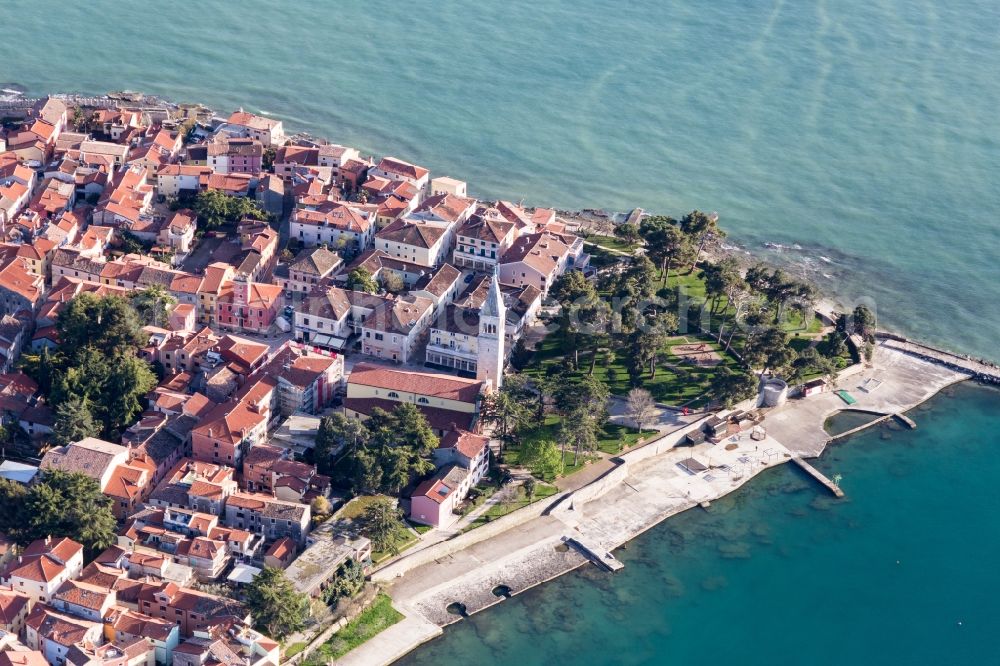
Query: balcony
[(457, 352)]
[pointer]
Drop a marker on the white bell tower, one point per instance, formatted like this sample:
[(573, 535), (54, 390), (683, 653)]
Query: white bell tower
[(492, 319)]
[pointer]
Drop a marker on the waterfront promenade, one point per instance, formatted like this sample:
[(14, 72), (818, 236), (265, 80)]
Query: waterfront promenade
[(646, 487)]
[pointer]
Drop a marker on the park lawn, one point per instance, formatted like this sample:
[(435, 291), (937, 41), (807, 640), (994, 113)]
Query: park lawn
[(611, 243), (616, 438), (690, 284), (793, 324), (375, 619), (609, 441), (675, 383), (542, 490)]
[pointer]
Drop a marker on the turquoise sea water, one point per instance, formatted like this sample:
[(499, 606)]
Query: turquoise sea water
[(866, 132), (902, 571)]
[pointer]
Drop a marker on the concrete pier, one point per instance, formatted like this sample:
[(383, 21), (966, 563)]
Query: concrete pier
[(819, 476), (597, 554), (907, 421)]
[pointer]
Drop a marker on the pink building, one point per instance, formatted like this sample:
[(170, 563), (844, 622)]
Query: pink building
[(245, 305), (435, 500), (182, 317)]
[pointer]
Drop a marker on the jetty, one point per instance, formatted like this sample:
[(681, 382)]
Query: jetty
[(819, 476), (597, 554), (984, 371)]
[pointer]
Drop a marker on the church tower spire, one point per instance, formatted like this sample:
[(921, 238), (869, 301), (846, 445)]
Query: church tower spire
[(492, 320)]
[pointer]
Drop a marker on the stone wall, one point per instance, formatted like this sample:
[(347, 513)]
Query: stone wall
[(462, 541)]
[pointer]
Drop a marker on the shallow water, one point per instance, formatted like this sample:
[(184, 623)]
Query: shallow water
[(864, 132), (903, 571)]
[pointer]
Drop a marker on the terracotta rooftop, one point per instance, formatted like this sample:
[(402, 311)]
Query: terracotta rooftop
[(421, 383)]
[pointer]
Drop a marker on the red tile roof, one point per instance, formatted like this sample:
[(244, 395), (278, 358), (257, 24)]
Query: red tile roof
[(412, 381)]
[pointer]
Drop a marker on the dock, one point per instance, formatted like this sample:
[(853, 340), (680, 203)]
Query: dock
[(816, 474), (597, 554), (907, 421)]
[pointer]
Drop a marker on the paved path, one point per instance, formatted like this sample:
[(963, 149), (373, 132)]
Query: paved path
[(394, 642), (973, 366), (664, 419)]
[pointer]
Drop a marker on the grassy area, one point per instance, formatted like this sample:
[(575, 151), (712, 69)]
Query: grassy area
[(421, 529), (355, 510), (676, 381), (601, 258), (610, 440), (294, 649), (375, 619), (356, 507), (616, 438), (404, 539), (611, 243), (542, 490)]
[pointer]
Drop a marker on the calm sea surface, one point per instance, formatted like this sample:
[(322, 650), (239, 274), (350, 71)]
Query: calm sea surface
[(863, 136), (867, 133)]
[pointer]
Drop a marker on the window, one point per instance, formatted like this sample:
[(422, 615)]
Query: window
[(423, 401), (393, 394), (379, 336)]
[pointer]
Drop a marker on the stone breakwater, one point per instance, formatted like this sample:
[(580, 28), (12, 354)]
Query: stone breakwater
[(982, 370)]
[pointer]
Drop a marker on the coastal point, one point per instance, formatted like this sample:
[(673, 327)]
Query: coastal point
[(267, 399)]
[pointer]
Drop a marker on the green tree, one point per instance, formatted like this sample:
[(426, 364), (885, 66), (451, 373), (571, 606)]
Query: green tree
[(216, 208), (667, 245), (570, 287), (267, 159), (153, 304), (529, 488), (412, 429), (41, 367), (702, 229), (506, 413), (381, 524), (729, 387), (131, 244), (719, 279), (832, 346), (348, 581), (107, 323), (277, 609), (67, 504), (387, 452), (360, 279), (864, 323), (337, 430), (12, 496), (392, 283), (628, 232), (580, 429), (130, 380), (542, 457), (769, 350), (74, 421)]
